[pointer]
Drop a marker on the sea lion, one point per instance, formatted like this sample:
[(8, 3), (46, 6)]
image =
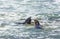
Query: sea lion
[(37, 24)]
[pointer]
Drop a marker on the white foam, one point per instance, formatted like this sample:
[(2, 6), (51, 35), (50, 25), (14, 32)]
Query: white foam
[(57, 0), (4, 28)]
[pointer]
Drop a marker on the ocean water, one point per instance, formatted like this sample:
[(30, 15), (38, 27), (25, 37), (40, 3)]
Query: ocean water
[(46, 11)]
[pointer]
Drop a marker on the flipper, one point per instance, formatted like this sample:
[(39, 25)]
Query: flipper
[(27, 21)]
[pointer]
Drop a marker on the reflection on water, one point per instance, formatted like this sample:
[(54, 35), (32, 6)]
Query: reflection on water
[(46, 11), (15, 31)]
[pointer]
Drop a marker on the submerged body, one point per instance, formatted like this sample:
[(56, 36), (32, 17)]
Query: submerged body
[(37, 24)]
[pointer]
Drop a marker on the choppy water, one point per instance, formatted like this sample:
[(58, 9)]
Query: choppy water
[(46, 11)]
